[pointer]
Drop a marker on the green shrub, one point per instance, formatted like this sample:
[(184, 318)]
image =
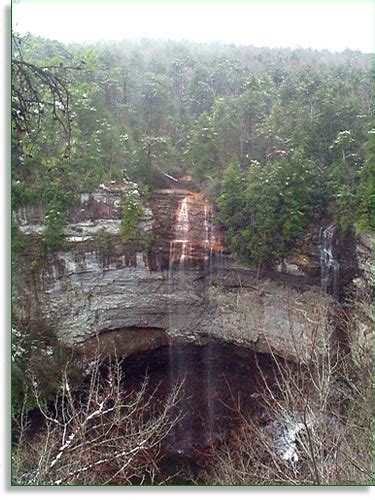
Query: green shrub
[(19, 241), (131, 213), (54, 232)]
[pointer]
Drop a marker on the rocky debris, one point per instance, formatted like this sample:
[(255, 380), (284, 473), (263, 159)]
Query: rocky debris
[(122, 343), (104, 202), (304, 262), (28, 216)]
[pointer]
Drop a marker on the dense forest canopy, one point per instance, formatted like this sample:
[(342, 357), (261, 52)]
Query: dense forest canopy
[(277, 138)]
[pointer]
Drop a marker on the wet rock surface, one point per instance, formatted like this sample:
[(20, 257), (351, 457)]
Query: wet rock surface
[(327, 258), (182, 312), (202, 237)]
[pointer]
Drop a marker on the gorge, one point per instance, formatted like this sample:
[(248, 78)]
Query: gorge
[(180, 309), (192, 228)]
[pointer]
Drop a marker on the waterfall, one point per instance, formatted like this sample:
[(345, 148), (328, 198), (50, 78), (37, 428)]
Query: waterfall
[(182, 228), (194, 241), (179, 359), (328, 264)]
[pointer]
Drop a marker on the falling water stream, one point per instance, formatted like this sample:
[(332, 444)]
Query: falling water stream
[(182, 232), (179, 362), (194, 238), (328, 264)]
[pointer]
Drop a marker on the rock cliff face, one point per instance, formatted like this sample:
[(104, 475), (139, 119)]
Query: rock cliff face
[(184, 285), (98, 212)]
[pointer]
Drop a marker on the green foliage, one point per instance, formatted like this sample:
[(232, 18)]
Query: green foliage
[(365, 197), (151, 157), (225, 126), (56, 197), (104, 242), (345, 207), (202, 152), (266, 210), (55, 220), (148, 241), (143, 109), (131, 213), (231, 201), (349, 183), (19, 241)]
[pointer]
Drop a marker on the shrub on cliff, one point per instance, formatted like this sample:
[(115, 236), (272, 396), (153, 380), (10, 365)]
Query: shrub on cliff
[(54, 232), (131, 213)]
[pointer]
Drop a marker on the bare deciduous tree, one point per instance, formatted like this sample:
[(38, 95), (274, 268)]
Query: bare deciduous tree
[(317, 417), (105, 435), (38, 91)]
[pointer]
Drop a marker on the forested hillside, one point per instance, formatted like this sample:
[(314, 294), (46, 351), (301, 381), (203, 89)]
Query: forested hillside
[(191, 264), (278, 139)]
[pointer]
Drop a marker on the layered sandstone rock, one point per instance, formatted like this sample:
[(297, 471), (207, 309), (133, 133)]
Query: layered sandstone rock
[(184, 285), (79, 299)]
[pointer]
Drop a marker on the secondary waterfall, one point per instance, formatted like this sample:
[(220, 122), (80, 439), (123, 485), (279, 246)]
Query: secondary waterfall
[(328, 264), (193, 247)]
